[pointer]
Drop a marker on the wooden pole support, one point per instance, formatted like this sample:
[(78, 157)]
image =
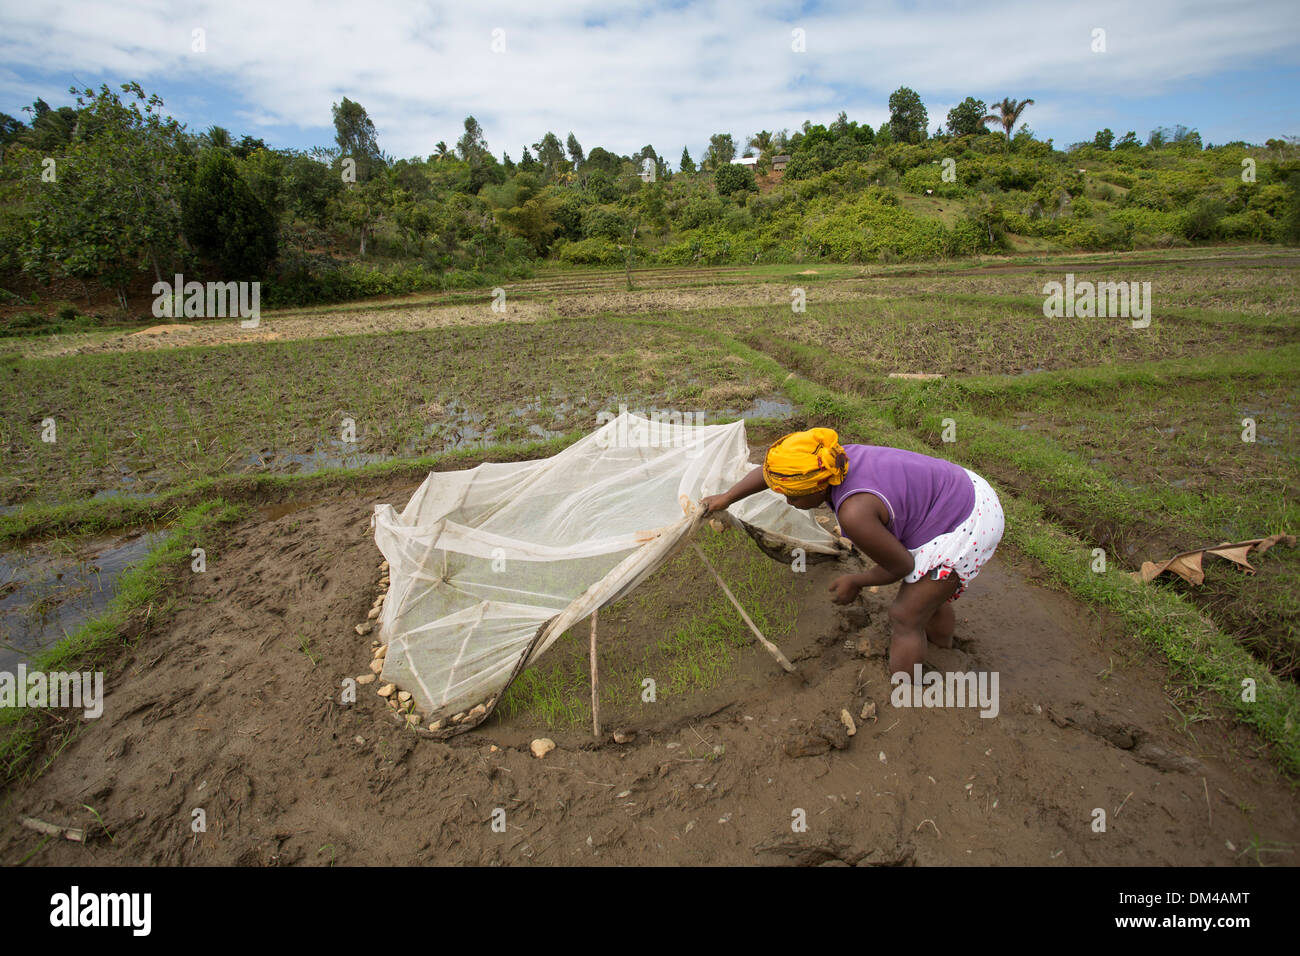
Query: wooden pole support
[(595, 679), (771, 648)]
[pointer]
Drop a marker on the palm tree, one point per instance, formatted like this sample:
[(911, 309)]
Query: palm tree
[(217, 137), (1008, 114), (761, 141)]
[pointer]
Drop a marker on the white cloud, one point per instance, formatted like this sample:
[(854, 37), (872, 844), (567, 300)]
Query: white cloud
[(658, 73)]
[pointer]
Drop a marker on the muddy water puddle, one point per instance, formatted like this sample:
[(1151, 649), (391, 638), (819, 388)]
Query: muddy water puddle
[(51, 588)]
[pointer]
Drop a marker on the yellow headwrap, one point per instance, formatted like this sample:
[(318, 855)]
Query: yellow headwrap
[(803, 463)]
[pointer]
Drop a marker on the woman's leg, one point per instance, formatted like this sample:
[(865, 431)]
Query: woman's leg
[(942, 625), (917, 603)]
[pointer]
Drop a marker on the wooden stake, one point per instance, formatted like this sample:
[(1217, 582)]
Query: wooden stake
[(595, 679), (771, 648), (40, 826)]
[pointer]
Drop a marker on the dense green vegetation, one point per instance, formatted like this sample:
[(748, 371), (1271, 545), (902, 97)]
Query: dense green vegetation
[(110, 191)]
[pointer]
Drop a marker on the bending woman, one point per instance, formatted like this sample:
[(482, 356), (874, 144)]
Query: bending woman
[(924, 521)]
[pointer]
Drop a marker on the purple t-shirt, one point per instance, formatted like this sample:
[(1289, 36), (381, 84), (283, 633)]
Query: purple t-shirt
[(926, 497)]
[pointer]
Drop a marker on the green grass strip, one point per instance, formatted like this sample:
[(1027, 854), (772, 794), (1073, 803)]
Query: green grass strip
[(143, 588), (1277, 363), (106, 514), (1199, 652)]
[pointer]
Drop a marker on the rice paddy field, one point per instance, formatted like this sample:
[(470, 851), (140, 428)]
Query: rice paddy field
[(1110, 446)]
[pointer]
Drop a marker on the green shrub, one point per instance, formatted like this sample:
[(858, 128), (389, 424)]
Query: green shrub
[(700, 211), (596, 251), (68, 319), (598, 222), (1289, 226), (1252, 225), (322, 281), (734, 178), (860, 231), (1202, 220), (930, 176), (1271, 200), (1096, 234)]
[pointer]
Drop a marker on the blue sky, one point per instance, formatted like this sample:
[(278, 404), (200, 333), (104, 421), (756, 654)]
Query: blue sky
[(671, 73)]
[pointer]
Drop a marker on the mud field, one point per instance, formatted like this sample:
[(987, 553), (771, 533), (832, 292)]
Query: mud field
[(586, 293), (223, 688), (223, 710)]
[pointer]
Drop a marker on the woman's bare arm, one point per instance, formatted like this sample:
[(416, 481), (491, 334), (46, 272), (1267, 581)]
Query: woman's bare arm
[(863, 520), (751, 484)]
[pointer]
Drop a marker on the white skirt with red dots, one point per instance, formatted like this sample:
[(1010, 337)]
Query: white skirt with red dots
[(965, 550)]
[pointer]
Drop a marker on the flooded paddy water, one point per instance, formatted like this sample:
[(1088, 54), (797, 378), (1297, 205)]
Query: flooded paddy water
[(49, 589)]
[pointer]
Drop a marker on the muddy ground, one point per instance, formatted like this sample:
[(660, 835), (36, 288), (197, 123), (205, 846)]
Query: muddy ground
[(220, 709)]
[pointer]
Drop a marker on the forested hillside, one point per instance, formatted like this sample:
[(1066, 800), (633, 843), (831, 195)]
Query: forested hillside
[(108, 193)]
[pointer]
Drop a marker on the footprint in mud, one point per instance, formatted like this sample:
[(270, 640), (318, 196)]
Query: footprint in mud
[(1124, 736), (949, 659)]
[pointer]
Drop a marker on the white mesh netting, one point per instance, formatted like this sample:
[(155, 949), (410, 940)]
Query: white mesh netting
[(489, 566)]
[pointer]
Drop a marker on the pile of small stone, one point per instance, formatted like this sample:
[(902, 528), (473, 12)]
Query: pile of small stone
[(400, 701)]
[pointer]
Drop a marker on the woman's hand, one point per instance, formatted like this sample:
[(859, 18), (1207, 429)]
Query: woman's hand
[(844, 589), (751, 484), (715, 503)]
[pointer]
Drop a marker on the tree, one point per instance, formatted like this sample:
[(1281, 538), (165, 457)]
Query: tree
[(1128, 141), (602, 160), (473, 149), (1008, 114), (215, 137), (309, 185), (1104, 139), (224, 222), (722, 150), (526, 209), (1289, 225), (550, 153), (263, 171), (414, 218), (964, 119), (907, 116), (575, 150), (247, 145), (734, 178), (652, 207), (11, 130), (471, 146), (687, 165), (1180, 135), (113, 206), (355, 134), (362, 205), (51, 129), (761, 141)]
